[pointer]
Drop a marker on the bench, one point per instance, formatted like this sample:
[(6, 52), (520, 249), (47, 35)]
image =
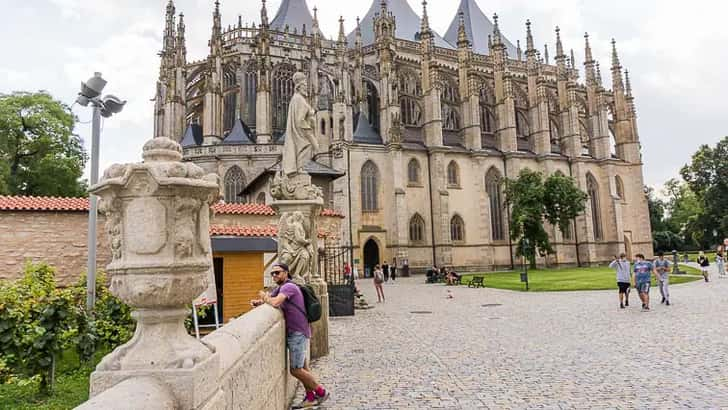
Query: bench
[(476, 282)]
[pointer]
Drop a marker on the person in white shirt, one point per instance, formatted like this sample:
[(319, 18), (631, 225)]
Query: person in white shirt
[(624, 277)]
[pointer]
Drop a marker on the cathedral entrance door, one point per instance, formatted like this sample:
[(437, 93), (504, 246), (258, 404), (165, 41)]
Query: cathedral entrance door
[(371, 257)]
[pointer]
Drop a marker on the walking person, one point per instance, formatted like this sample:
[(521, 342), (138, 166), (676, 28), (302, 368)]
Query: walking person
[(662, 272), (642, 276), (624, 277), (288, 297), (393, 270), (704, 264), (720, 262), (378, 280), (385, 271)]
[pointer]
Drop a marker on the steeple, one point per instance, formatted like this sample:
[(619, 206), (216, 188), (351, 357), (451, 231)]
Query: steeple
[(462, 35), (216, 39), (424, 22), (292, 13), (315, 19), (615, 56), (617, 83), (181, 46), (546, 53), (357, 37), (496, 31), (342, 35), (169, 34), (587, 50), (559, 45), (529, 37), (477, 28), (589, 63), (263, 16)]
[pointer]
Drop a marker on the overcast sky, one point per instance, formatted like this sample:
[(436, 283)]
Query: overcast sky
[(676, 52)]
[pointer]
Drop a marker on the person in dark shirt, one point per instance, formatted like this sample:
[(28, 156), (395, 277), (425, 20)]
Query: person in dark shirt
[(288, 297)]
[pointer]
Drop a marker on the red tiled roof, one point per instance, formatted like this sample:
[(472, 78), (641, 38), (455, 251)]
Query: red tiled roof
[(43, 203), (237, 230), (243, 209)]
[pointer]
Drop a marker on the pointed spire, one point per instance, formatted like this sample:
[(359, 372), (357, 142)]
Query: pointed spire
[(357, 36), (383, 7), (496, 30), (342, 35), (519, 52), (424, 22), (546, 53), (615, 56), (587, 49), (216, 24), (315, 18), (240, 21), (462, 35), (559, 45), (169, 35), (263, 16), (181, 46), (529, 36), (573, 60), (599, 75)]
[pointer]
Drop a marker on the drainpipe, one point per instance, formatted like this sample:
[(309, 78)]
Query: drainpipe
[(576, 235), (432, 212), (508, 215), (351, 235)]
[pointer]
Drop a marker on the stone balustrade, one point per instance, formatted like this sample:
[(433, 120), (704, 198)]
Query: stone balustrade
[(253, 370)]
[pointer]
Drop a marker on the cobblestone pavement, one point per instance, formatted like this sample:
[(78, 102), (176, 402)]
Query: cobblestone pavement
[(535, 350)]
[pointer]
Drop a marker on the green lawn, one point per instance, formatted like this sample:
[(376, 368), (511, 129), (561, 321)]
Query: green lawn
[(568, 279), (71, 388)]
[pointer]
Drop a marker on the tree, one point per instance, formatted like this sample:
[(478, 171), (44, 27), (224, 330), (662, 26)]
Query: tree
[(707, 177), (39, 154), (532, 200), (656, 207)]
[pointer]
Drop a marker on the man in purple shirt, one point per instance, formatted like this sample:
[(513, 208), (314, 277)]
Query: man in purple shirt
[(288, 297)]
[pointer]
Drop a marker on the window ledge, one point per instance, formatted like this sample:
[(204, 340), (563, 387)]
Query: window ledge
[(415, 185)]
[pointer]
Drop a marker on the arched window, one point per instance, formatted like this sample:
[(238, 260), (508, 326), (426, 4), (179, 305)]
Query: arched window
[(234, 183), (494, 190), (413, 172), (260, 199), (593, 191), (453, 174), (372, 104), (555, 136), (619, 186), (282, 92), (457, 229), (487, 119), (585, 139), (369, 186), (450, 118), (523, 131), (250, 88), (323, 126), (230, 101), (450, 98), (409, 92), (417, 229)]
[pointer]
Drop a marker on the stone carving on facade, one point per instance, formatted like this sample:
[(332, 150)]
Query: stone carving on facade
[(301, 144), (111, 209), (295, 247)]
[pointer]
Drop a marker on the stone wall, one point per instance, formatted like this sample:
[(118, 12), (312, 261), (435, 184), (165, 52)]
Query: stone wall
[(253, 371), (57, 238)]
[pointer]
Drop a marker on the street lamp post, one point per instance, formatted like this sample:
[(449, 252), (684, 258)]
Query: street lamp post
[(106, 107)]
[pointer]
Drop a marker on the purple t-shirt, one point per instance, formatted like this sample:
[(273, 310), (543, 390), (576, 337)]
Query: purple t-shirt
[(296, 320)]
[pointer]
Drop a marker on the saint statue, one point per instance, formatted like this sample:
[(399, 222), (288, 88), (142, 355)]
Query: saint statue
[(295, 247), (301, 144)]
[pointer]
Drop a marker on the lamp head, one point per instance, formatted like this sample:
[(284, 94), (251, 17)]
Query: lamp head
[(110, 105), (93, 87)]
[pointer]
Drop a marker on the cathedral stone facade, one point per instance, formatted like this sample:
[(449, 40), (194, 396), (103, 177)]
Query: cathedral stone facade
[(423, 128)]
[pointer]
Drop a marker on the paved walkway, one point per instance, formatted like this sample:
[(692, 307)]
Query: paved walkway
[(535, 350)]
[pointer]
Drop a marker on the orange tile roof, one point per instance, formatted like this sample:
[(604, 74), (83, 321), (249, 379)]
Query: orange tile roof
[(237, 230), (46, 203), (43, 203)]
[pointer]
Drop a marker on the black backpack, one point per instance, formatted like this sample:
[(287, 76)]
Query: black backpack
[(310, 302)]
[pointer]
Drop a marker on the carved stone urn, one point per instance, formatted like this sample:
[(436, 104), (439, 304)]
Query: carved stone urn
[(158, 217)]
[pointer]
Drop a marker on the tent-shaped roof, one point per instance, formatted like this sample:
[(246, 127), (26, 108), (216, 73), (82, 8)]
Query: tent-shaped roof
[(240, 134), (193, 136), (294, 14), (407, 21), (477, 26), (365, 133)]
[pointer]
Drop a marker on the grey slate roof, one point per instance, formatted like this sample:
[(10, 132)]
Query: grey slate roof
[(295, 14), (240, 134), (407, 21), (478, 27), (364, 133), (192, 136)]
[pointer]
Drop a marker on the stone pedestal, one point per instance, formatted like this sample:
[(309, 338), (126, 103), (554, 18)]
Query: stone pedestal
[(296, 214), (158, 219)]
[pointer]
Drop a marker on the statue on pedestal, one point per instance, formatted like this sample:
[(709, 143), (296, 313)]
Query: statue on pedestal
[(296, 249)]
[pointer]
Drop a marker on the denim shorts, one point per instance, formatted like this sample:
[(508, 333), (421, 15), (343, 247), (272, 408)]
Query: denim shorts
[(297, 345), (643, 287)]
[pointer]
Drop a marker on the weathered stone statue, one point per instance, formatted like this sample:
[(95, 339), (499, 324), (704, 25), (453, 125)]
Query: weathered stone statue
[(301, 144), (296, 249)]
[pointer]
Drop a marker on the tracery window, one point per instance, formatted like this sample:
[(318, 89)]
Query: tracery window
[(234, 183), (410, 91), (457, 229), (593, 190), (369, 186), (523, 131), (453, 174), (230, 100), (487, 119), (417, 228), (413, 172), (373, 105), (494, 190), (249, 88), (282, 93), (585, 139), (450, 99)]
